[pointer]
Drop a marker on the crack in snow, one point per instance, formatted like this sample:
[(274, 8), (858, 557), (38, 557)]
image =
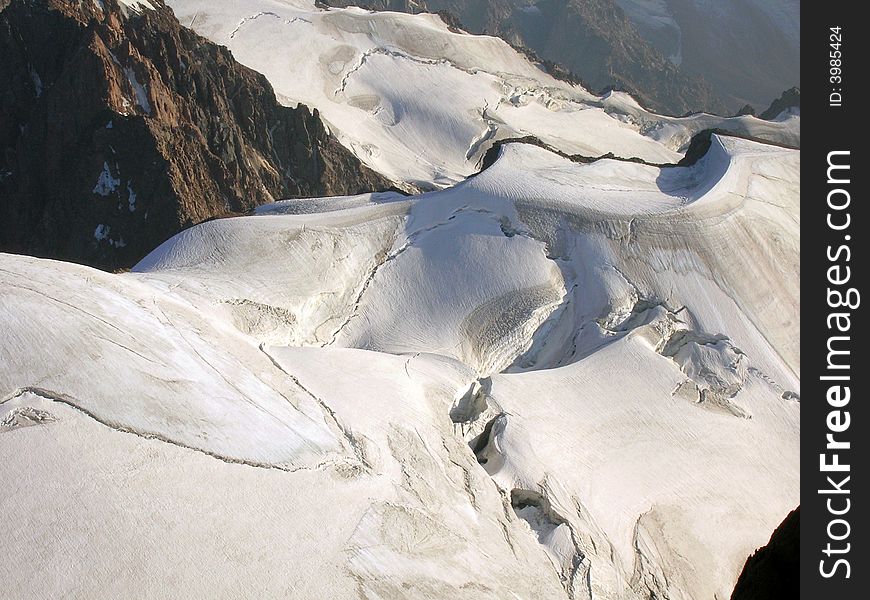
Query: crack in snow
[(388, 257), (251, 18), (76, 405), (351, 440)]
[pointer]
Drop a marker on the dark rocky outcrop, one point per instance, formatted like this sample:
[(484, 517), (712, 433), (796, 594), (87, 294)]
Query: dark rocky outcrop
[(698, 146), (494, 151), (791, 98), (119, 128), (701, 142), (773, 572), (583, 40)]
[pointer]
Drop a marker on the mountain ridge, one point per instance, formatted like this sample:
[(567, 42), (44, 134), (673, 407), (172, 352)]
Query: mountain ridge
[(121, 127)]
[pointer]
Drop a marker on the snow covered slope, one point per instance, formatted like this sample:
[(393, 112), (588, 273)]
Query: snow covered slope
[(421, 104), (553, 380)]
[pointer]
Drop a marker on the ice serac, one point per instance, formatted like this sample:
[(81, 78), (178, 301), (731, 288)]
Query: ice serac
[(119, 127), (421, 102), (553, 380)]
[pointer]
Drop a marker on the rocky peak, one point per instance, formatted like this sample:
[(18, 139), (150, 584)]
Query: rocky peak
[(790, 99), (119, 127)]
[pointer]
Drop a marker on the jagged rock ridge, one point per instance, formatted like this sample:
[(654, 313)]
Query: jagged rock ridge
[(119, 127), (790, 99)]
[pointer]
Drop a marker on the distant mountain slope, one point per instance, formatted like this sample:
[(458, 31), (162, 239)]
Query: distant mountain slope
[(593, 39), (119, 127), (749, 50)]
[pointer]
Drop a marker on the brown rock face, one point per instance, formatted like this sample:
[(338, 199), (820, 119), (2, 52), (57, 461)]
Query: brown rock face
[(119, 128)]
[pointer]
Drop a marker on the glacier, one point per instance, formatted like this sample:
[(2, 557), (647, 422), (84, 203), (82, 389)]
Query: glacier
[(567, 367), (550, 380), (420, 103)]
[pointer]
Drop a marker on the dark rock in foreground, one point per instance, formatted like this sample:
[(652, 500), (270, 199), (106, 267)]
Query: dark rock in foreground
[(773, 572)]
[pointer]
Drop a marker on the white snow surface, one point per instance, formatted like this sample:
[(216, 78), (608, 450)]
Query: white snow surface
[(139, 90), (136, 5), (422, 104), (552, 380), (106, 182)]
